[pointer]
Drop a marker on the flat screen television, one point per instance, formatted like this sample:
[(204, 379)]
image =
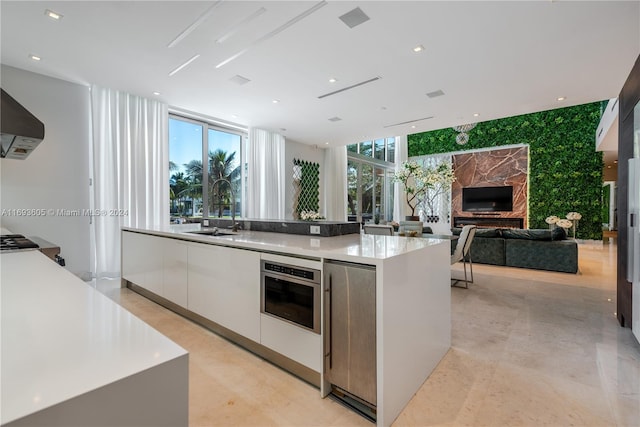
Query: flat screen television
[(487, 199)]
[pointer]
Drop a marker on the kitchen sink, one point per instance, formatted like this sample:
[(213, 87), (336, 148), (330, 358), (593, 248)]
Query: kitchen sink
[(215, 232)]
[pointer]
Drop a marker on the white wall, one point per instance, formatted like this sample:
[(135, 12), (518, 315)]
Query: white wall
[(310, 153), (56, 174)]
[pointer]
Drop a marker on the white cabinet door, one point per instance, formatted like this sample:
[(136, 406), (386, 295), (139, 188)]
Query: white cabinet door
[(132, 265), (142, 260), (174, 273), (224, 286), (303, 346)]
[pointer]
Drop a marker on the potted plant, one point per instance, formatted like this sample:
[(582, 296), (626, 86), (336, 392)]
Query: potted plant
[(423, 184)]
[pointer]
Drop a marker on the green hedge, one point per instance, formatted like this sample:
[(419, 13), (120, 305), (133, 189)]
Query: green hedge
[(565, 171)]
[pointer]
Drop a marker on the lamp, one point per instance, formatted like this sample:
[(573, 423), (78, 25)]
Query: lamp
[(462, 137)]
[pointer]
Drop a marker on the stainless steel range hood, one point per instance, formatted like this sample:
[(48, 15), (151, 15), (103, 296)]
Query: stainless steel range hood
[(20, 131)]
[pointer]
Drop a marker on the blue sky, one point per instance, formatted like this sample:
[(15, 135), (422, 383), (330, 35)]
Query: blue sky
[(185, 142)]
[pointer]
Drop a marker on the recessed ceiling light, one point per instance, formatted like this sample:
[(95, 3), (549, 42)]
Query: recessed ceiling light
[(326, 143), (476, 114), (156, 93), (413, 126), (418, 48), (275, 101), (34, 57), (609, 167), (333, 80), (615, 161), (53, 15), (561, 98)]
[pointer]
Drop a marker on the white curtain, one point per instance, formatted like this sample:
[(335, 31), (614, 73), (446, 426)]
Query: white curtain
[(400, 208), (335, 183), (265, 175), (130, 169)]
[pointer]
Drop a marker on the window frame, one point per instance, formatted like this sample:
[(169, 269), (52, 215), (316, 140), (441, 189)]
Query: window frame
[(206, 126), (359, 159)]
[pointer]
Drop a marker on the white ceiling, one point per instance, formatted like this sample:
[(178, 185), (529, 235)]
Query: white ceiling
[(497, 59)]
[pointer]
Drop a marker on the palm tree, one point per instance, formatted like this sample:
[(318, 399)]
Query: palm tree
[(194, 169), (222, 166), (178, 184), (194, 173)]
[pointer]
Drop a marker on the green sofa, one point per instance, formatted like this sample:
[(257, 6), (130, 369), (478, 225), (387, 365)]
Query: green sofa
[(537, 249)]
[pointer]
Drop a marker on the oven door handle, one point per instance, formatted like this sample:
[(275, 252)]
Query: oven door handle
[(328, 323)]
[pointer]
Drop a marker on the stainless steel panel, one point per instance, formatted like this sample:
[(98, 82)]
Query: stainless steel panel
[(313, 283), (350, 328)]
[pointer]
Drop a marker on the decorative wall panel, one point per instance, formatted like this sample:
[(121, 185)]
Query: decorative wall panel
[(306, 187), (492, 168)]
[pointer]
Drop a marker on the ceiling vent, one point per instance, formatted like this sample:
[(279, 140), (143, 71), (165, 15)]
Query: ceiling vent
[(435, 93), (335, 119), (350, 87), (239, 80), (354, 18), (409, 121)]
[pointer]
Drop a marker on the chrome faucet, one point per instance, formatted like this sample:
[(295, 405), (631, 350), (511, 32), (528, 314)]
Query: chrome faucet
[(234, 225)]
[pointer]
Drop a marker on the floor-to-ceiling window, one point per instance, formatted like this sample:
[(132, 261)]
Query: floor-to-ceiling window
[(197, 191), (370, 167)]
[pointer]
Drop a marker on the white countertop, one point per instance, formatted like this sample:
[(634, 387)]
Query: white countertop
[(361, 248), (61, 338)]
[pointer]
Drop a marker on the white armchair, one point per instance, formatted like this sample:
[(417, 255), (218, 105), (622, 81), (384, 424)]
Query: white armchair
[(463, 253)]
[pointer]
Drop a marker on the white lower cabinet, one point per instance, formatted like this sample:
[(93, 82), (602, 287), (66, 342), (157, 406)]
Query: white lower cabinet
[(142, 260), (305, 347), (175, 271), (224, 286), (219, 283)]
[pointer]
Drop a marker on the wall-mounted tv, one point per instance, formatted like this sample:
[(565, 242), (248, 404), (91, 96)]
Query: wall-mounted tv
[(487, 199)]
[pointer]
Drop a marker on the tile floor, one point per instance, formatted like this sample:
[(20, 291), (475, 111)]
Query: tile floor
[(529, 348)]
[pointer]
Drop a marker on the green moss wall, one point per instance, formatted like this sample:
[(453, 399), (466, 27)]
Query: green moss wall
[(565, 171)]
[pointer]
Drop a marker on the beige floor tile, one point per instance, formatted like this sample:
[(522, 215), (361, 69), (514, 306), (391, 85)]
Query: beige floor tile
[(529, 348)]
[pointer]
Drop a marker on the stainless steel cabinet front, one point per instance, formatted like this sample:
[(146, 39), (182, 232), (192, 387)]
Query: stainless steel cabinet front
[(350, 328)]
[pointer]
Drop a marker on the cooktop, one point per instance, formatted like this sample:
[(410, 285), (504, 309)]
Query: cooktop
[(16, 242)]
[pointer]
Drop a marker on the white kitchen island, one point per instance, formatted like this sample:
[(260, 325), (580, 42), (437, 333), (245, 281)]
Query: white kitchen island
[(71, 356), (413, 295)]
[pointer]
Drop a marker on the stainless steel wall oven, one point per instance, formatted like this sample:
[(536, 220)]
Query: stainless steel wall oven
[(291, 293)]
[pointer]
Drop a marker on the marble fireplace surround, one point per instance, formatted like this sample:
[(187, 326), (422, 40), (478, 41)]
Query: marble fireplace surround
[(492, 168)]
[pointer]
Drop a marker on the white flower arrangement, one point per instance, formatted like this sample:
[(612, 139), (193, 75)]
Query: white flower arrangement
[(574, 216), (310, 216), (552, 220), (564, 223), (570, 222)]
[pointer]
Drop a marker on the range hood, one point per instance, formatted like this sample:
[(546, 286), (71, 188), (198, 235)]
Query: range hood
[(20, 131)]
